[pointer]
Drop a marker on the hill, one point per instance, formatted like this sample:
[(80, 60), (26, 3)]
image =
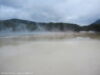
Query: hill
[(92, 27), (23, 25)]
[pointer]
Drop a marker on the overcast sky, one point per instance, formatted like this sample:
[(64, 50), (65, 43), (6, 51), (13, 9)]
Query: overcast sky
[(72, 11)]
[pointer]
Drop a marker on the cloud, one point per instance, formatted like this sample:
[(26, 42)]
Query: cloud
[(72, 11)]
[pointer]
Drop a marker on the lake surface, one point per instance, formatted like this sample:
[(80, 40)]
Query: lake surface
[(50, 54)]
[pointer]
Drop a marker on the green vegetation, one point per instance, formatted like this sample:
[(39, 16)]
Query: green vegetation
[(22, 25)]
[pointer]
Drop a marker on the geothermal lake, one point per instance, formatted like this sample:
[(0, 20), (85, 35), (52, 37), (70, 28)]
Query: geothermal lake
[(50, 54)]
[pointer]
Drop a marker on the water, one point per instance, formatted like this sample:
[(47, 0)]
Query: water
[(50, 54)]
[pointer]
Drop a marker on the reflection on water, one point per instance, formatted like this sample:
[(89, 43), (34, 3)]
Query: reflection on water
[(51, 54), (15, 39)]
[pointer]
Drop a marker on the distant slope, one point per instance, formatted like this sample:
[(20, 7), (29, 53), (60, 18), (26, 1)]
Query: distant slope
[(96, 22), (93, 27), (24, 25), (17, 25)]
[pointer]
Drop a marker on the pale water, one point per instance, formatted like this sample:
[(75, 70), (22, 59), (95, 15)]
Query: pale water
[(61, 54)]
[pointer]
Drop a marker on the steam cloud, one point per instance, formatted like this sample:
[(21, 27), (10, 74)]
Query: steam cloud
[(72, 11)]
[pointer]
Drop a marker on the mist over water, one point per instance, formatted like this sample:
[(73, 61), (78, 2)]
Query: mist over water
[(50, 53), (53, 37)]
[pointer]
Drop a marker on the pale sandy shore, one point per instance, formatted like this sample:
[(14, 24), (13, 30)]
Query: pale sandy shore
[(68, 56)]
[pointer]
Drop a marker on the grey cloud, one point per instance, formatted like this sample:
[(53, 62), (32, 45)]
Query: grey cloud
[(73, 11)]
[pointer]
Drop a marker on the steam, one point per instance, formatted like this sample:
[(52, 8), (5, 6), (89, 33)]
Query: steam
[(40, 27)]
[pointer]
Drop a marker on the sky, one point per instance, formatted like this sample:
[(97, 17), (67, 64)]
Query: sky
[(81, 12)]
